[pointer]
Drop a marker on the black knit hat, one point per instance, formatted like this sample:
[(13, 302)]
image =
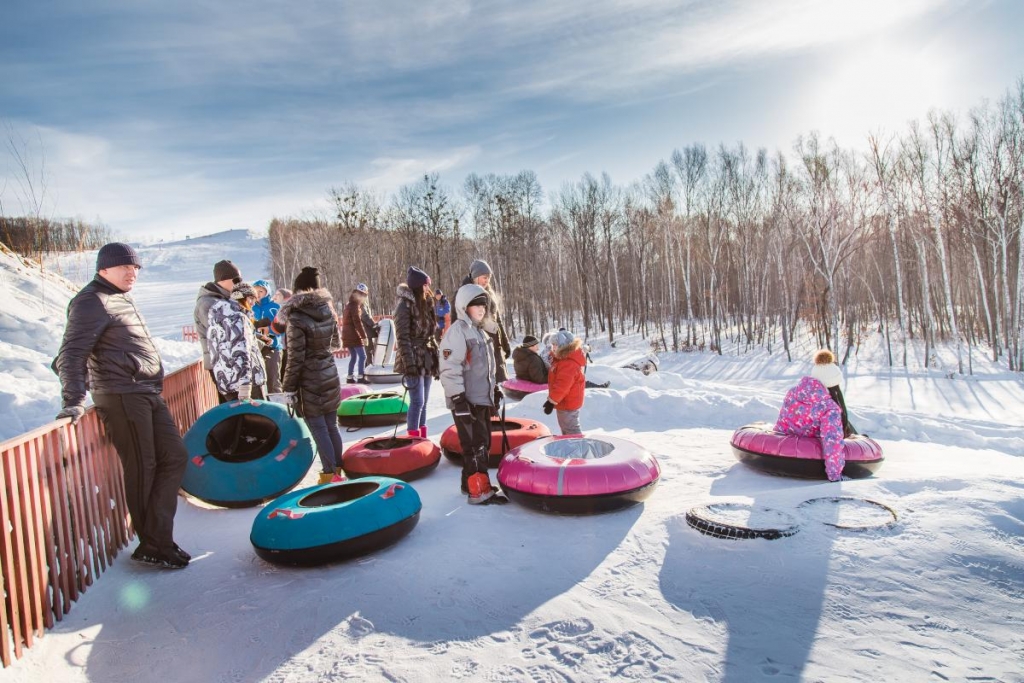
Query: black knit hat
[(225, 270), (416, 278), (478, 300), (116, 254), (529, 340), (309, 278)]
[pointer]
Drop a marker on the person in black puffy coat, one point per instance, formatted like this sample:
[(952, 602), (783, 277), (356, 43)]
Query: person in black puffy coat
[(311, 381), (416, 345), (108, 350)]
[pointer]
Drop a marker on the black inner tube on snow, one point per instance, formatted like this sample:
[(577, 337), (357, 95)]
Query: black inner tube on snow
[(243, 438), (702, 519), (852, 527)]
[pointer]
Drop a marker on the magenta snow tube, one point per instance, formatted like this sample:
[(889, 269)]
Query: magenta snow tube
[(578, 474), (518, 388), (761, 447), (350, 390)]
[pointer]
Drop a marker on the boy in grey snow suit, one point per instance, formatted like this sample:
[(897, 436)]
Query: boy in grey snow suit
[(467, 369)]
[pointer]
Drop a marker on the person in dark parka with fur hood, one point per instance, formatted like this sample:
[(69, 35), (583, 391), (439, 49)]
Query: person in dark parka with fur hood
[(311, 380), (416, 346)]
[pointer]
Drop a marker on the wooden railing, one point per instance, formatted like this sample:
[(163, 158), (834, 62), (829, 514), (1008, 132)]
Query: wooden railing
[(63, 516)]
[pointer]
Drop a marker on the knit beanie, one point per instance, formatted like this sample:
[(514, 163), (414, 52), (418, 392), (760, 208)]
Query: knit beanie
[(563, 338), (478, 300), (225, 270), (309, 278), (116, 254), (825, 369), (529, 340), (478, 268), (416, 278), (265, 284), (243, 290), (362, 288)]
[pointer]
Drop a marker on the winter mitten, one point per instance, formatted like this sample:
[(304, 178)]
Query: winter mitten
[(291, 398), (73, 412), (498, 395), (548, 407), (245, 392)]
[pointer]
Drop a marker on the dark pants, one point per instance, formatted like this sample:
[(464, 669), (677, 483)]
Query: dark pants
[(272, 361), (153, 457), (475, 438), (325, 432)]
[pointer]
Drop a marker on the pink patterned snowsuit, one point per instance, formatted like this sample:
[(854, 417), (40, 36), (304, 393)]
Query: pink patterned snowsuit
[(809, 411)]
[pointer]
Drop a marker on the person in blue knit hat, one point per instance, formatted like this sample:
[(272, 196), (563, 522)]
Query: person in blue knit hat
[(264, 312)]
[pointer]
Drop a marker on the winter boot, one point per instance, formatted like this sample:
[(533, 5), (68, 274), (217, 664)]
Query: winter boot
[(423, 431), (350, 380), (325, 478), (172, 559), (413, 433), (480, 490), (339, 476), (363, 380)]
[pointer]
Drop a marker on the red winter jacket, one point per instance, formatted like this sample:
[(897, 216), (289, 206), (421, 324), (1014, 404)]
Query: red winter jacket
[(566, 379)]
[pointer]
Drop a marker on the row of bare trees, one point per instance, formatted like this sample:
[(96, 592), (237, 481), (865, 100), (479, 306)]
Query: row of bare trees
[(918, 237), (37, 236)]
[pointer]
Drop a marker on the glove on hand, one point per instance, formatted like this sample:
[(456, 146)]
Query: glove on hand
[(245, 392), (460, 405), (548, 407), (74, 412), (291, 397), (498, 395)]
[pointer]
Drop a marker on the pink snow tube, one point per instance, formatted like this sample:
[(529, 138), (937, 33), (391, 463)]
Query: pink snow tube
[(762, 448), (578, 474), (518, 388), (350, 390)]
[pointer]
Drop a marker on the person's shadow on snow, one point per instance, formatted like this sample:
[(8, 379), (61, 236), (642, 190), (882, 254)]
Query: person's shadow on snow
[(461, 574), (767, 596)]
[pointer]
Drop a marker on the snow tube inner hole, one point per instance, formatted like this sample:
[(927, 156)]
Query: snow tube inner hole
[(509, 425), (336, 495), (386, 444), (577, 449), (243, 438)]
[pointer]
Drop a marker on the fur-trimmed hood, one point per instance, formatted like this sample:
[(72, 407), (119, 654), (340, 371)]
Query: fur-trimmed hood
[(318, 304), (571, 350)]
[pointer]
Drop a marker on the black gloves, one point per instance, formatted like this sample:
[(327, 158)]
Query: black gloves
[(460, 406), (498, 395), (548, 407)]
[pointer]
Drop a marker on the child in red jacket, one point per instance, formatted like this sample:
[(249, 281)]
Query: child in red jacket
[(566, 381)]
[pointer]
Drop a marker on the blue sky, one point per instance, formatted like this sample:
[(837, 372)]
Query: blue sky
[(170, 118)]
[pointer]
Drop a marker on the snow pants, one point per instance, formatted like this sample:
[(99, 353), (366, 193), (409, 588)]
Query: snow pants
[(475, 439), (153, 458)]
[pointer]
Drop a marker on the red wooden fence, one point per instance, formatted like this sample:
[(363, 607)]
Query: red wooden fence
[(63, 516)]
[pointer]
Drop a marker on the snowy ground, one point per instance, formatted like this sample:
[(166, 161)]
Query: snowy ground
[(508, 594)]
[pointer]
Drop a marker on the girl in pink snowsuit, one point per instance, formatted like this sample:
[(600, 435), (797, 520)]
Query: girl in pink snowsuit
[(809, 411)]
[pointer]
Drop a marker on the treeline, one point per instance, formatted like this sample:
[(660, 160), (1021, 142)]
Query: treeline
[(36, 236), (918, 237)]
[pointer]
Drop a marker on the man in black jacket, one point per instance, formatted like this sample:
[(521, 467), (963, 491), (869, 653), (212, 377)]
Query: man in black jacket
[(108, 351)]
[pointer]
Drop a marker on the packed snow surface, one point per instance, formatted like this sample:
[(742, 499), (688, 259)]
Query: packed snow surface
[(504, 593)]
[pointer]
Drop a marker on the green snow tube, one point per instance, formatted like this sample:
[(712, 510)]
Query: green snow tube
[(373, 410)]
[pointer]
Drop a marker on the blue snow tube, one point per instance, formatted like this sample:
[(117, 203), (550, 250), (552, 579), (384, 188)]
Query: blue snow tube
[(243, 453), (335, 521)]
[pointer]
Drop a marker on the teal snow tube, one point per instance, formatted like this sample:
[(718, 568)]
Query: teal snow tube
[(243, 453), (335, 521)]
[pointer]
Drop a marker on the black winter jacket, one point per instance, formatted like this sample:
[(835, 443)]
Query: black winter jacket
[(311, 337), (107, 348), (416, 345), (529, 366)]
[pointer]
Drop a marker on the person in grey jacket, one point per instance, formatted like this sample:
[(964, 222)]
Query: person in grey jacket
[(471, 392), (108, 350), (225, 276)]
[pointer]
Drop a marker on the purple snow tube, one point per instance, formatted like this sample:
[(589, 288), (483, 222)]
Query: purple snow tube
[(764, 449), (518, 388), (578, 474)]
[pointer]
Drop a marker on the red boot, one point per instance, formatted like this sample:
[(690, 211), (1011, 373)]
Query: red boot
[(423, 431), (480, 490)]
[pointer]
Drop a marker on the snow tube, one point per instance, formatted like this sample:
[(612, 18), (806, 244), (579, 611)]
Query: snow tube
[(578, 475), (335, 521), (384, 374), (764, 449), (384, 348), (373, 410), (245, 452), (519, 429), (518, 388), (350, 390), (404, 458)]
